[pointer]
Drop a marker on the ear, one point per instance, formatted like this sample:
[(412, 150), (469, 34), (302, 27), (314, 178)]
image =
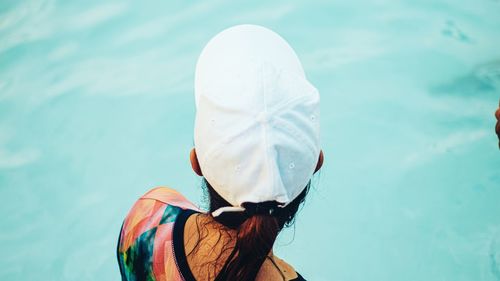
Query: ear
[(320, 161), (497, 126), (194, 162)]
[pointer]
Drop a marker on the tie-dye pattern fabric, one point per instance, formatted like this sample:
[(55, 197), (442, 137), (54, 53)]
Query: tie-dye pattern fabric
[(145, 247)]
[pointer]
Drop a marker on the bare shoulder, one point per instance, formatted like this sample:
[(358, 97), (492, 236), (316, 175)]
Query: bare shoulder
[(269, 270), (286, 268)]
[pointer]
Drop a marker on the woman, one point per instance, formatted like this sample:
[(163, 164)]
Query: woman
[(256, 147)]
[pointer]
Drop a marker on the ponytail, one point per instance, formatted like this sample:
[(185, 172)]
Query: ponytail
[(256, 231), (255, 239)]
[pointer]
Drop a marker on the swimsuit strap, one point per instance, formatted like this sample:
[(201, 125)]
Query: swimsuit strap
[(277, 267)]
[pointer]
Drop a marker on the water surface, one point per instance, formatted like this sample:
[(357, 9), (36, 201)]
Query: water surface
[(96, 107)]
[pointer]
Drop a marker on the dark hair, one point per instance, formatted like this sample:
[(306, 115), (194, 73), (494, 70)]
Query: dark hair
[(255, 233)]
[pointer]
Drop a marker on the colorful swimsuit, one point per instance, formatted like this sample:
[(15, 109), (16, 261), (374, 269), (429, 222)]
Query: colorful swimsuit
[(151, 242)]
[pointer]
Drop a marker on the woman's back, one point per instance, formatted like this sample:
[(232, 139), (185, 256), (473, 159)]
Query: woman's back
[(165, 237), (211, 249)]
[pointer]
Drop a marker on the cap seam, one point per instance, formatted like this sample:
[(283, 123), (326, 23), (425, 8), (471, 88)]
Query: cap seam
[(294, 100), (266, 140), (227, 139)]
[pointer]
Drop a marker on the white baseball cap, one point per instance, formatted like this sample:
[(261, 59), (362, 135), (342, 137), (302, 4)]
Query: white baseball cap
[(257, 118)]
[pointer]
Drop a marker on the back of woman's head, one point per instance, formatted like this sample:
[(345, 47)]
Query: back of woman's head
[(256, 138)]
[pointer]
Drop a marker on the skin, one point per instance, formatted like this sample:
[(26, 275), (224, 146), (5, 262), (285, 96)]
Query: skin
[(497, 127), (216, 239)]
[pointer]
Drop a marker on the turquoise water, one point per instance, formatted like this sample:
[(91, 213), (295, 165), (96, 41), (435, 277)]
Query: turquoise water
[(97, 107)]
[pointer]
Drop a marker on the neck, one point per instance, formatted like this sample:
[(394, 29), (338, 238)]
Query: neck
[(208, 244)]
